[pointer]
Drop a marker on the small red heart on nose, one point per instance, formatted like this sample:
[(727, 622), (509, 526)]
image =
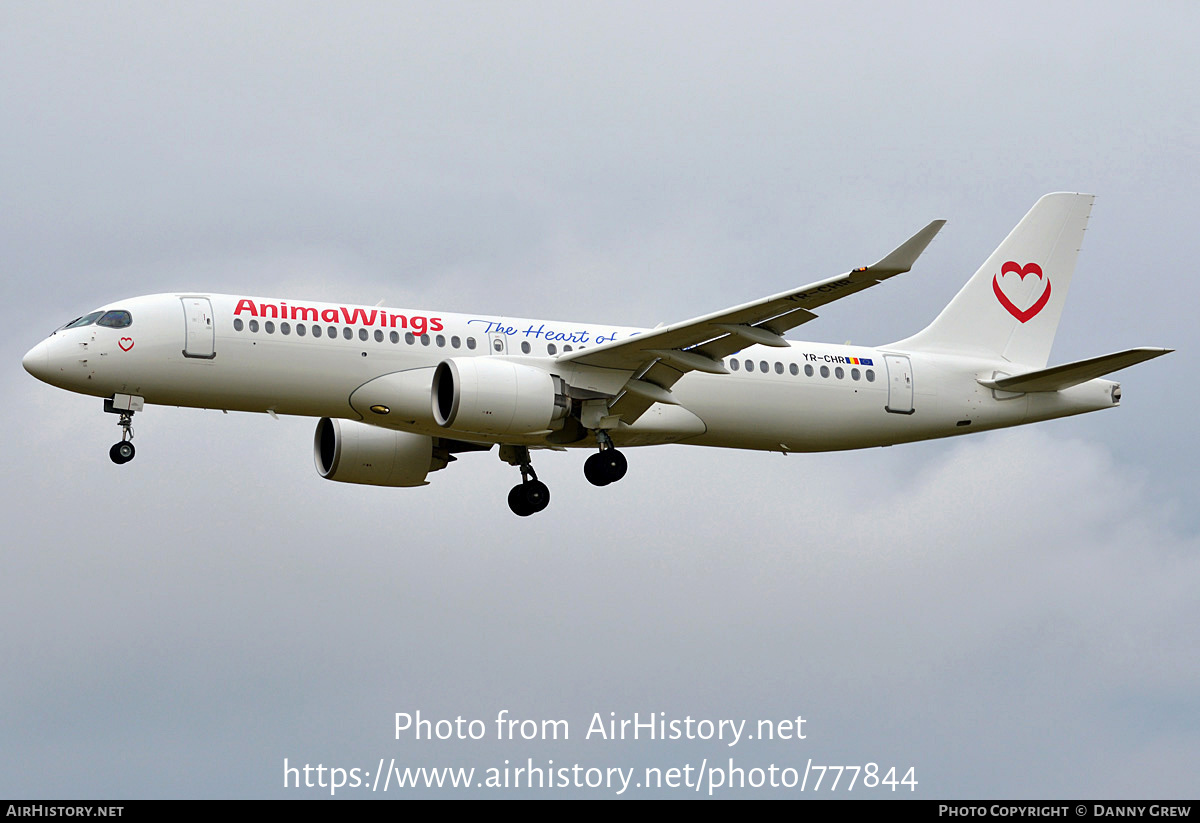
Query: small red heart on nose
[(126, 343)]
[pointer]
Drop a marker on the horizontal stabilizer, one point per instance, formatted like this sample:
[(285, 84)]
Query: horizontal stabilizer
[(1067, 375)]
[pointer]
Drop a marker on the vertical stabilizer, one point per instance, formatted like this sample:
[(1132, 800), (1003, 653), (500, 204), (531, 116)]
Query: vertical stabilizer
[(1011, 307)]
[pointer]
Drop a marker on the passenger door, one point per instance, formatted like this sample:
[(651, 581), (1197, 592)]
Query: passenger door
[(199, 334)]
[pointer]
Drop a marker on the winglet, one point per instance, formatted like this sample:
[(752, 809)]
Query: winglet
[(906, 254)]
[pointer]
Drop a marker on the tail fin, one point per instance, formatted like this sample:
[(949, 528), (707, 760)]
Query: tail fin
[(1011, 307)]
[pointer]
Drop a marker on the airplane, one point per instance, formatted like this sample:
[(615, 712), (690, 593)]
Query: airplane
[(399, 394)]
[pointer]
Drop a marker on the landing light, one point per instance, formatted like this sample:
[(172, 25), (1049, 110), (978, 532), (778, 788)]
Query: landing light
[(381, 409)]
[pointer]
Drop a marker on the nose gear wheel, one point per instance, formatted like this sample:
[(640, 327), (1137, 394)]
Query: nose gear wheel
[(124, 451)]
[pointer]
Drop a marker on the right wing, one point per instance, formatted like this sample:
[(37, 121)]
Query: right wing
[(658, 358)]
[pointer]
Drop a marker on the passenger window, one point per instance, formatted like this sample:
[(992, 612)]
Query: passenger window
[(316, 331), (566, 349), (333, 332), (362, 335), (733, 364), (378, 336), (254, 325), (471, 343), (440, 340), (348, 333), (839, 372), (269, 326), (749, 365), (525, 346), (408, 338), (764, 365), (424, 340), (870, 376), (808, 371), (455, 342), (551, 348), (285, 328), (824, 371), (394, 337), (118, 319), (778, 367), (794, 369), (301, 329), (237, 324), (855, 374)]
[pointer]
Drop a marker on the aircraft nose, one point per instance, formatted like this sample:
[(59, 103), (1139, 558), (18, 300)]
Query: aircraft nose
[(37, 360)]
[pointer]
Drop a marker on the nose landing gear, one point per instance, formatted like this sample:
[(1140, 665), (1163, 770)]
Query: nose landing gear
[(121, 452), (124, 451), (124, 405)]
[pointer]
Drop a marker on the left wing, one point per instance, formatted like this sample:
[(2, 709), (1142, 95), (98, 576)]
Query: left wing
[(660, 357)]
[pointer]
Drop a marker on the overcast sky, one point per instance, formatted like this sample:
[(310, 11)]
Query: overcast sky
[(1012, 614)]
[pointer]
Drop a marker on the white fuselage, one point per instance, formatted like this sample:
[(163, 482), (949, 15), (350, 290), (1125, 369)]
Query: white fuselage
[(267, 355)]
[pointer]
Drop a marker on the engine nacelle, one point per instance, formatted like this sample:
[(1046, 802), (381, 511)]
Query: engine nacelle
[(353, 452), (492, 395)]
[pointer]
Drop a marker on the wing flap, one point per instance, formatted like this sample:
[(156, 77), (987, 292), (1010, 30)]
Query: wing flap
[(631, 405), (1057, 378)]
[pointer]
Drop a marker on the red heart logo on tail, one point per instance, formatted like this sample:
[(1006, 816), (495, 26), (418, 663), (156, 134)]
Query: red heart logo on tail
[(126, 343), (1016, 268)]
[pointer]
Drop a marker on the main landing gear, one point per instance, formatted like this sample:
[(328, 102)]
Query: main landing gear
[(606, 466), (531, 495)]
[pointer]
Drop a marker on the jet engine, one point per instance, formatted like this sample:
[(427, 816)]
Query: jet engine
[(492, 395), (353, 452)]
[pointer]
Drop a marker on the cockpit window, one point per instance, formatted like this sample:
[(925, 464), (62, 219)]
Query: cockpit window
[(117, 319), (86, 320)]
